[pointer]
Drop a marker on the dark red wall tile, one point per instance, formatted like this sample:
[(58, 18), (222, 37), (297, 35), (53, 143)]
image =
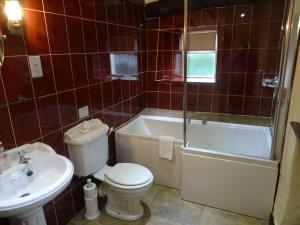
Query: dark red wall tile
[(79, 68), (44, 85), (14, 45), (67, 107), (48, 114), (108, 98), (77, 193), (225, 15), (55, 6), (50, 216), (209, 16), (16, 78), (223, 60), (164, 100), (6, 131), (251, 106), (195, 18), (64, 209), (256, 60), (241, 34), (222, 84), (75, 35), (100, 10), (220, 103), (261, 11), (72, 7), (102, 33), (88, 9), (82, 97), (177, 101), (55, 140), (192, 102), (242, 14), (96, 98), (35, 36), (225, 37), (265, 107), (57, 29), (33, 4), (204, 103), (153, 23), (235, 104), (25, 122), (62, 72), (166, 22), (237, 84), (238, 60), (253, 84), (93, 68), (259, 35), (90, 36)]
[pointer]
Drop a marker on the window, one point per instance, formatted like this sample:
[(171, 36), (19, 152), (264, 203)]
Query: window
[(124, 66), (202, 56)]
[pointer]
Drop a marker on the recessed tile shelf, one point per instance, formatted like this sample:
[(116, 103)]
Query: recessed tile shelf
[(296, 128)]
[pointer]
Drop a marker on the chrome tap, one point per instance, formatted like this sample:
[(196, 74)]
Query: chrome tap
[(25, 160), (204, 120), (22, 158)]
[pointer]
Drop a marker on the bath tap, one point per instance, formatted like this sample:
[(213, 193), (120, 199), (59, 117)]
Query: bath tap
[(204, 120)]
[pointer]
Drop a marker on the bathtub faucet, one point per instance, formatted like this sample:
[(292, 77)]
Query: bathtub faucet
[(204, 120)]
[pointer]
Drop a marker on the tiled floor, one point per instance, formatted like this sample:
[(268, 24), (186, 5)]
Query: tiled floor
[(163, 206)]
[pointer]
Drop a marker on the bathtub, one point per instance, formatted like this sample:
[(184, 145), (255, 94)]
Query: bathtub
[(224, 165)]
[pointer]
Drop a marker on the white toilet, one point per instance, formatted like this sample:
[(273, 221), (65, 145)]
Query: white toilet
[(123, 183)]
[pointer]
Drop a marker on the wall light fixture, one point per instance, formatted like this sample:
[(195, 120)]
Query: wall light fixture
[(14, 13)]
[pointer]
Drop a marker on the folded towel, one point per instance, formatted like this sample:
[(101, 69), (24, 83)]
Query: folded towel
[(166, 147)]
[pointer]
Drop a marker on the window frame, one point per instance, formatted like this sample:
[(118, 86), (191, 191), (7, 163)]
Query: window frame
[(201, 78)]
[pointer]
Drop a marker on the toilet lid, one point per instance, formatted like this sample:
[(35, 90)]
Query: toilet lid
[(129, 174)]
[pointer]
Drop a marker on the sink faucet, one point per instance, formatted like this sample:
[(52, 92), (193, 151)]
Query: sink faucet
[(25, 160), (22, 158)]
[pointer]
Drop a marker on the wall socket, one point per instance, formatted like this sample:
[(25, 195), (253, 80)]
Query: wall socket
[(83, 112)]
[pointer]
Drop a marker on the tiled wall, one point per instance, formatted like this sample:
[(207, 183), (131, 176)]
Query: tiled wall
[(73, 38), (248, 50)]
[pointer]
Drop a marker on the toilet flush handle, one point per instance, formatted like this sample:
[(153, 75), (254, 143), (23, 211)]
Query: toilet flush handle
[(110, 130)]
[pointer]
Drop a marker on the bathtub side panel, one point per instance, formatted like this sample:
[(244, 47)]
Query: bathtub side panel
[(144, 151), (230, 185)]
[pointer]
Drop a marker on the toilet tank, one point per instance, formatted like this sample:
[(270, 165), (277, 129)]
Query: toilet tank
[(87, 145)]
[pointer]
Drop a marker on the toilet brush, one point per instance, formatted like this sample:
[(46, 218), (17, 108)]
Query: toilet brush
[(91, 202)]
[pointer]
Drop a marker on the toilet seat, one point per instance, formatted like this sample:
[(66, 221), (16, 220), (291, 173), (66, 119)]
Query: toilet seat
[(140, 176), (128, 174)]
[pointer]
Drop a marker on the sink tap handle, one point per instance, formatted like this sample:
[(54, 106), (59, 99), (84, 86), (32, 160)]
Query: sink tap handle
[(21, 153)]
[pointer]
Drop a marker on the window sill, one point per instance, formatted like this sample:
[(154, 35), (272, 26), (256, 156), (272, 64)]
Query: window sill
[(190, 80), (201, 80)]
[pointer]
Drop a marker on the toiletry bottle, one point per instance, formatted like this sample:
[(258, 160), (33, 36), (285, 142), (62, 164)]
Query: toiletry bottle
[(4, 160)]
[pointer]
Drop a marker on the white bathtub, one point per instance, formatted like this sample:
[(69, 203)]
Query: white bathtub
[(225, 165)]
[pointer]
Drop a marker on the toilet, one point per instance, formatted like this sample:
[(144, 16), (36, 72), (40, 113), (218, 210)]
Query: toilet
[(123, 184)]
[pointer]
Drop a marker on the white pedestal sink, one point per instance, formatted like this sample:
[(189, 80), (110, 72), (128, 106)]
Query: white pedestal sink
[(21, 196)]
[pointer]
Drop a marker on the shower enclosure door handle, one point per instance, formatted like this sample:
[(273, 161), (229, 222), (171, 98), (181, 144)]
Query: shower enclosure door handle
[(270, 82)]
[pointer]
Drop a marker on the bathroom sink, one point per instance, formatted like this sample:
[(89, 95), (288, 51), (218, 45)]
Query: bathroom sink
[(25, 188)]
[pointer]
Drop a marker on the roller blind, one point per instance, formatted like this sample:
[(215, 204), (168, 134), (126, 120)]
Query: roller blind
[(202, 41)]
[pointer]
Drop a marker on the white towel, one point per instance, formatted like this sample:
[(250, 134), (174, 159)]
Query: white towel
[(166, 147)]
